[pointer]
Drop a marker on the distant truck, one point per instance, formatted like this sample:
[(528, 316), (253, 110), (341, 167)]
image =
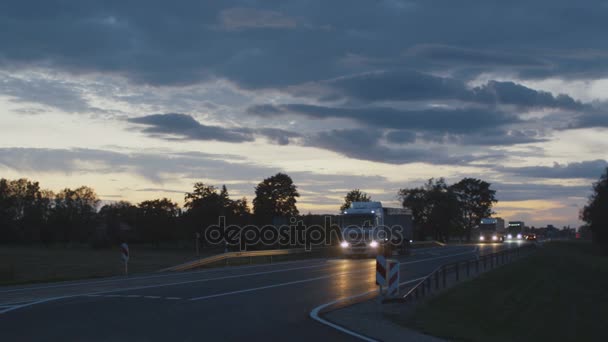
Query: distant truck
[(368, 229), (515, 231), (489, 232)]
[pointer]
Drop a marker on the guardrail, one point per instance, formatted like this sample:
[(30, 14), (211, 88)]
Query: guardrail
[(451, 273)]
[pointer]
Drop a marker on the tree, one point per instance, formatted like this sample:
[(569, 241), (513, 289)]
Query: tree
[(355, 195), (435, 209), (157, 220), (115, 214), (476, 200), (595, 213), (275, 197), (24, 208), (74, 213)]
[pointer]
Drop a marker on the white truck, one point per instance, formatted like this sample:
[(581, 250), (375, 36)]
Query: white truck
[(369, 229), (489, 231)]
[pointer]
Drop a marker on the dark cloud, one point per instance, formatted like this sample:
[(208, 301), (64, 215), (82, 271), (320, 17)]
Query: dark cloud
[(187, 127), (471, 57), (247, 18), (417, 86), (439, 119), (587, 169), (596, 117), (271, 44), (366, 144), (182, 126)]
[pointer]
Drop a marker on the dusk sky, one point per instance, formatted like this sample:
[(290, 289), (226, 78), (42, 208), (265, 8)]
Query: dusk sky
[(140, 99)]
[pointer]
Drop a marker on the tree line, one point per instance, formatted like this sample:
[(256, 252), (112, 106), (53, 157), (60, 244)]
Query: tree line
[(31, 214)]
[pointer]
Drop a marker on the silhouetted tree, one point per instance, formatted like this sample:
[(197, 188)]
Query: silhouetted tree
[(476, 200), (275, 196), (595, 213), (435, 209), (74, 213), (355, 195), (115, 214), (157, 220)]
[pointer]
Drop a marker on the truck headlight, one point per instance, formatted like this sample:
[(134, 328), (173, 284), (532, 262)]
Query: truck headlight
[(509, 236), (481, 238), (519, 236), (344, 244), (373, 244), (494, 238)]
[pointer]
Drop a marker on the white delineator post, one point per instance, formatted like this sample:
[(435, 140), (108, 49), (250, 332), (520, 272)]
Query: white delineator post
[(124, 251)]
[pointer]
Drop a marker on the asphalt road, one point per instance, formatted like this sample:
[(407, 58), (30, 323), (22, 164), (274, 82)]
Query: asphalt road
[(268, 302)]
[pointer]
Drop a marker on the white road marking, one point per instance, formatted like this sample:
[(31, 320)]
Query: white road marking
[(152, 297), (314, 314), (268, 286), (320, 262), (50, 299)]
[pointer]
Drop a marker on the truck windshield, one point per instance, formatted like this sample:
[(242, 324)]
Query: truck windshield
[(358, 220)]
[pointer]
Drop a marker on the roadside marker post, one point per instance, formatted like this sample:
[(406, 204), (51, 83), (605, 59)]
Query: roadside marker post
[(393, 278), (124, 251), (380, 272), (387, 276)]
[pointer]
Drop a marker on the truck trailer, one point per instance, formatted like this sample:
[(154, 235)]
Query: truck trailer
[(369, 229)]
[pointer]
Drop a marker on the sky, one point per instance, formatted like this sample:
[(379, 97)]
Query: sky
[(140, 99)]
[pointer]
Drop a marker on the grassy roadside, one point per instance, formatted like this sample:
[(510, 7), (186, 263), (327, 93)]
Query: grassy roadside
[(32, 264), (558, 294)]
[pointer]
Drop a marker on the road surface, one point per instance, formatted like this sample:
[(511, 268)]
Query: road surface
[(269, 302)]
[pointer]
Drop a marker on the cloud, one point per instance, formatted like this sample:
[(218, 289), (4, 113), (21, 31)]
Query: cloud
[(155, 167), (437, 119), (586, 169), (531, 191), (173, 126), (235, 19), (65, 96), (186, 127), (417, 86), (261, 44), (366, 144), (471, 57)]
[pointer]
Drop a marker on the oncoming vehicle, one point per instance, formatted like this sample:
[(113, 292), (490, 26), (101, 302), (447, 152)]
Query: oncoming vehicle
[(515, 231), (369, 229), (531, 237), (488, 231)]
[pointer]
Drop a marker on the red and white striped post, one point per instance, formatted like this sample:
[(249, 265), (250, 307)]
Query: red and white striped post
[(380, 272), (124, 251), (393, 278)]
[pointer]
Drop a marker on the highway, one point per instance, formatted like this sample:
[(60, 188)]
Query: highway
[(235, 303)]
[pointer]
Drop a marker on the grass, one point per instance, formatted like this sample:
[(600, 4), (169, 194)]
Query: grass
[(559, 293), (34, 264), (31, 264)]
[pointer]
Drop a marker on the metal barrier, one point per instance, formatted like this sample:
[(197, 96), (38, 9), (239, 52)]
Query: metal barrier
[(458, 271)]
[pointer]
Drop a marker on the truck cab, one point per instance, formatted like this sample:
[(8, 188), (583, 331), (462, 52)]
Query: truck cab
[(489, 232), (368, 229)]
